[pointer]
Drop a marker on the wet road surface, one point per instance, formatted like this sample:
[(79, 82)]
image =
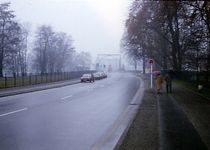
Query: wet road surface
[(71, 117)]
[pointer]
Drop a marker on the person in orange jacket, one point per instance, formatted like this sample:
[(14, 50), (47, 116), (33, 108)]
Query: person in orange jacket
[(159, 81)]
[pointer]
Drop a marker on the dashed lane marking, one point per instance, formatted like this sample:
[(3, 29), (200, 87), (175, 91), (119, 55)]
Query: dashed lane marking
[(13, 112), (66, 97)]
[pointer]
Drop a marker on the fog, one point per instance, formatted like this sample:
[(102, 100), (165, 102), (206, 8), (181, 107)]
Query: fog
[(96, 26)]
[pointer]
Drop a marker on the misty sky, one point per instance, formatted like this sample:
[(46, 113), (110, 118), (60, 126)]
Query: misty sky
[(95, 25)]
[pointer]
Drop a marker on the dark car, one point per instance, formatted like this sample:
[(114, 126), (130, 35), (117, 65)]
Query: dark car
[(97, 76), (103, 75), (87, 77)]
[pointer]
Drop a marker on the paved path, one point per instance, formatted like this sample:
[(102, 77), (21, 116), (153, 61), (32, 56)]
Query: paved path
[(144, 131), (176, 131), (182, 122)]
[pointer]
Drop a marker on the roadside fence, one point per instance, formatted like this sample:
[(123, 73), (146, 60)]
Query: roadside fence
[(32, 79)]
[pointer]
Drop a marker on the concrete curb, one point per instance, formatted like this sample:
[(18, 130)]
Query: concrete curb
[(35, 88), (116, 133)]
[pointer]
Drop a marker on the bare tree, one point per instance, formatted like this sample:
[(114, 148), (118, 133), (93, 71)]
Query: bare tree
[(174, 33), (64, 50), (82, 61), (9, 37), (44, 39), (20, 56), (52, 50)]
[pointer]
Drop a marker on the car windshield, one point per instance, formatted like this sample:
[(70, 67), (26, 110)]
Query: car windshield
[(86, 75)]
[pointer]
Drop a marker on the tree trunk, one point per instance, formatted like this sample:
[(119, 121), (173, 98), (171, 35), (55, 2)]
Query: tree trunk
[(1, 59), (1, 65), (164, 53), (173, 21), (144, 61), (197, 66), (177, 45), (135, 64), (208, 27)]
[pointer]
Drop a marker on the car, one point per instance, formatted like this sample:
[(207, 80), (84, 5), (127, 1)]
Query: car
[(87, 77), (103, 75), (97, 76), (100, 75)]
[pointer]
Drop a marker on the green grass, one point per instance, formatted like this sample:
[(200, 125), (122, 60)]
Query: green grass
[(194, 86)]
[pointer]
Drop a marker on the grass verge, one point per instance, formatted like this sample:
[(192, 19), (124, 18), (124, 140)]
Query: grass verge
[(194, 87)]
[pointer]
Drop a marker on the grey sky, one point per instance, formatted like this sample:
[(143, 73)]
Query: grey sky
[(95, 25)]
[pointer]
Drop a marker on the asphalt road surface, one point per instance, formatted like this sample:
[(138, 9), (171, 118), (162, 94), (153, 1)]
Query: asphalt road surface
[(72, 117)]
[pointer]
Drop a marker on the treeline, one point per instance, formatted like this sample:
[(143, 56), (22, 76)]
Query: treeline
[(174, 33), (51, 51)]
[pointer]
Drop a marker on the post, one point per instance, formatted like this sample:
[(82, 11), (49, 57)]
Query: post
[(151, 74), (35, 79), (151, 62), (30, 79), (50, 76), (14, 76), (120, 62), (68, 75), (22, 77), (5, 79), (41, 77)]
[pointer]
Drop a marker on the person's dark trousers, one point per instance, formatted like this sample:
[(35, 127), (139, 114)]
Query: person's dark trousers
[(168, 88)]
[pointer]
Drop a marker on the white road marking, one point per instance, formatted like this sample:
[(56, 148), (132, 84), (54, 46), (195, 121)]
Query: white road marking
[(13, 112), (66, 97)]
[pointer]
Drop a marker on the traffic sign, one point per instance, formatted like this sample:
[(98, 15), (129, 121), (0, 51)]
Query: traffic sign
[(151, 61)]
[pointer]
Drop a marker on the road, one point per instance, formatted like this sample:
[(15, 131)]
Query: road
[(70, 117)]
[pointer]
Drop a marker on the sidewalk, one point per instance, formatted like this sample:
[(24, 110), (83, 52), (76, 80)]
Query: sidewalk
[(37, 87), (170, 121), (143, 133)]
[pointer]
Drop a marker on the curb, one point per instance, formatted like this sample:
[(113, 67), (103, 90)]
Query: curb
[(114, 136), (38, 88)]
